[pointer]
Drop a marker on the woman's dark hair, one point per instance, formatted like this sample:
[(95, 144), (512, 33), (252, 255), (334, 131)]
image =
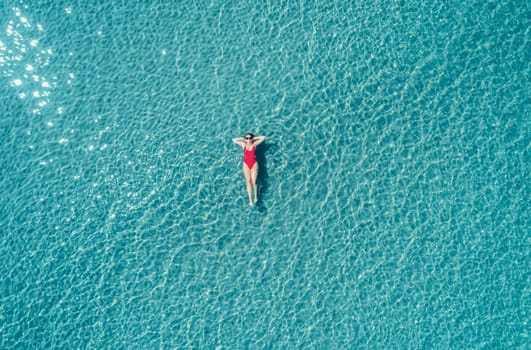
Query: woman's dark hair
[(249, 134)]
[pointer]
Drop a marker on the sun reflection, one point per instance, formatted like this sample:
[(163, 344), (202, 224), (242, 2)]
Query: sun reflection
[(23, 60)]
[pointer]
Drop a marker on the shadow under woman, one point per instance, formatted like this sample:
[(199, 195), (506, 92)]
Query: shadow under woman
[(263, 177)]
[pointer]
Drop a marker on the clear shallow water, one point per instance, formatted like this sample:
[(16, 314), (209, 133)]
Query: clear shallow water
[(394, 191)]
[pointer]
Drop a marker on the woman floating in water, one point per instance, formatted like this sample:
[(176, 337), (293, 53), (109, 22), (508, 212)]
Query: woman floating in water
[(250, 166)]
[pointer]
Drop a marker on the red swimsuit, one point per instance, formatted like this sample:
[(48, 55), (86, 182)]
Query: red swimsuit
[(249, 156)]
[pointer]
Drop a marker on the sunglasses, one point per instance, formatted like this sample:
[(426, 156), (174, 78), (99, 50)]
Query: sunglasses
[(248, 138)]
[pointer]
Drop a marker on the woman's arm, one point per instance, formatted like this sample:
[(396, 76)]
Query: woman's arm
[(258, 140), (239, 141)]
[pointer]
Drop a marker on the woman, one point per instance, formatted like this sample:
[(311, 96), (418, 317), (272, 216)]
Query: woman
[(250, 166)]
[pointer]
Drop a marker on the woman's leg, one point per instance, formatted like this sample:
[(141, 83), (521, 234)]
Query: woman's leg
[(254, 176), (248, 179)]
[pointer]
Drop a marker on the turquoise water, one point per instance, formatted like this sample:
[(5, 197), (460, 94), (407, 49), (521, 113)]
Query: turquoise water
[(394, 184)]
